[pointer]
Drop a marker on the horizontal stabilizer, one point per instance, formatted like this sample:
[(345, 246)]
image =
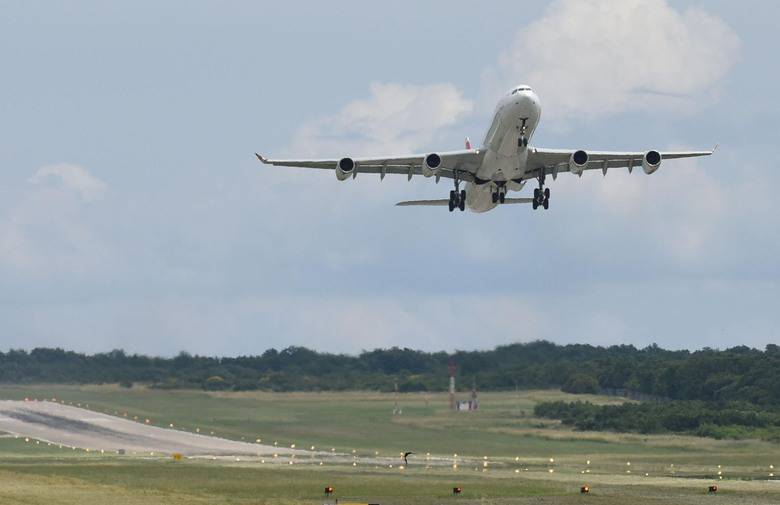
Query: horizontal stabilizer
[(444, 203), (518, 200), (423, 203)]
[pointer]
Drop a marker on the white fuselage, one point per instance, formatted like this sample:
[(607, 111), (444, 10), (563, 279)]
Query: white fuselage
[(516, 117)]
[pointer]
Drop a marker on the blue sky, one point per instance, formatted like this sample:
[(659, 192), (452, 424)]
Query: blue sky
[(133, 213)]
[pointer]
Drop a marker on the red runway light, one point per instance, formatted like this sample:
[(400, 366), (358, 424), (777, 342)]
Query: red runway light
[(457, 490), (328, 490)]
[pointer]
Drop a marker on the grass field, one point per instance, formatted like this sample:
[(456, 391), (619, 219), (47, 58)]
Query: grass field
[(518, 448)]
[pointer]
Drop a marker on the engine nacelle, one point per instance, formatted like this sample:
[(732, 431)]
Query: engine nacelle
[(578, 161), (431, 164), (345, 169), (651, 161)]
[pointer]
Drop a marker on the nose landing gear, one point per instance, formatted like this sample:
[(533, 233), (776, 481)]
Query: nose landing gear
[(522, 140), (541, 195)]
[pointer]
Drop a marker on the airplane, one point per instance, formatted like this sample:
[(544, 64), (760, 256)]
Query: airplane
[(505, 162)]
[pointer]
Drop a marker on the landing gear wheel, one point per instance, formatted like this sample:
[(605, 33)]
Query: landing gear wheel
[(457, 196), (502, 197), (541, 198), (541, 194), (494, 197)]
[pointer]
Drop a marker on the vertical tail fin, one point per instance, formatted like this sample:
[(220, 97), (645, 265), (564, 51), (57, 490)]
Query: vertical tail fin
[(468, 143)]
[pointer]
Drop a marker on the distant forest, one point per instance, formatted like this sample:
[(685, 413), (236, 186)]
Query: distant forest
[(704, 419), (738, 374)]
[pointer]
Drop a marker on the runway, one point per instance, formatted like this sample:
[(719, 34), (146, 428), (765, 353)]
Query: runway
[(85, 429)]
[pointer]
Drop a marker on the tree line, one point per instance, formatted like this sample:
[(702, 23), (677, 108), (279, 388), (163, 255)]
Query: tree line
[(738, 374), (707, 419)]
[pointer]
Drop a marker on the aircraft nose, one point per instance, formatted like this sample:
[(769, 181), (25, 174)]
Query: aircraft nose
[(524, 102)]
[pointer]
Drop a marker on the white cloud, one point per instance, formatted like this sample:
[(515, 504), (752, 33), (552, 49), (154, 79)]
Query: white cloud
[(689, 217), (598, 57), (73, 177), (395, 118), (48, 230)]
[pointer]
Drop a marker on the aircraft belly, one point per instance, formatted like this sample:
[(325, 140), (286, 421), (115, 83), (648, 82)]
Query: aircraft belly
[(478, 197), (508, 145), (516, 168), (496, 167)]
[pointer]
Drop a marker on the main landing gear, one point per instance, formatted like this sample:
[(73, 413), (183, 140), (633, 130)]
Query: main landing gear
[(541, 195), (499, 195), (457, 197), (457, 200)]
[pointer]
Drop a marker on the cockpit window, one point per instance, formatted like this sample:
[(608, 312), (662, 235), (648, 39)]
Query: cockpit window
[(520, 88)]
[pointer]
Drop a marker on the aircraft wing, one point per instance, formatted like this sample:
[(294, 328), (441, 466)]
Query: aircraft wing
[(555, 161), (465, 162)]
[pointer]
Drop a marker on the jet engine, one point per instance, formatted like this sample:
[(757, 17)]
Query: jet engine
[(345, 169), (651, 161), (431, 164), (578, 161)]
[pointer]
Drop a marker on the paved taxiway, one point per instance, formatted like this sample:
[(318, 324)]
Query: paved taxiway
[(75, 427)]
